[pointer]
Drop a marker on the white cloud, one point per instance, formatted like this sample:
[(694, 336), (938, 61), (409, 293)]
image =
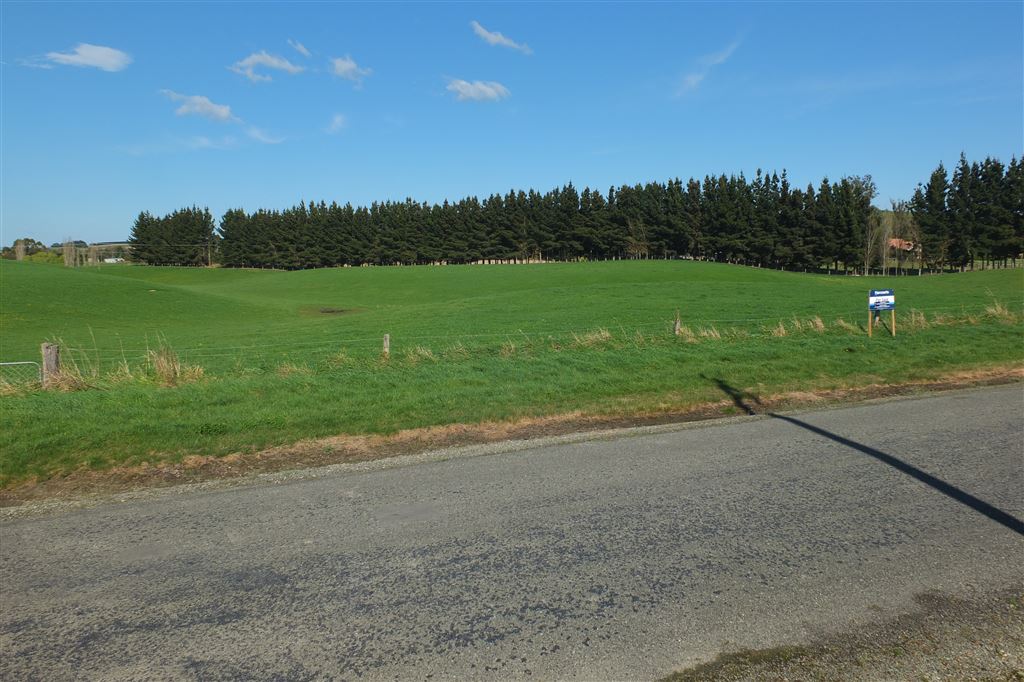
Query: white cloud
[(263, 136), (692, 80), (346, 67), (337, 124), (478, 91), (197, 105), (707, 62), (247, 67), (35, 63), (495, 38), (300, 48), (203, 142), (720, 57), (172, 145), (96, 56)]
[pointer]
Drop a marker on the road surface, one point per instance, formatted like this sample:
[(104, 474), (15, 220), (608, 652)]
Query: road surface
[(624, 556)]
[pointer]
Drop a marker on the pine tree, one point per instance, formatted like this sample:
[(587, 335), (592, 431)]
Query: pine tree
[(929, 209)]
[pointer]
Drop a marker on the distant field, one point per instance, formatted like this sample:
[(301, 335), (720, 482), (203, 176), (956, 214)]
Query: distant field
[(291, 355)]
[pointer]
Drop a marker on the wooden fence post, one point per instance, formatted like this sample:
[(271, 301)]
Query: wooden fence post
[(387, 346), (677, 329), (51, 361)]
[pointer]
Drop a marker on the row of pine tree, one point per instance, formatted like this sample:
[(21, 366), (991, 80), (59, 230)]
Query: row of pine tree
[(185, 237), (977, 215), (764, 222)]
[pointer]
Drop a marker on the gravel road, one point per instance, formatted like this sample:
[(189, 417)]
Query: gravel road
[(617, 556)]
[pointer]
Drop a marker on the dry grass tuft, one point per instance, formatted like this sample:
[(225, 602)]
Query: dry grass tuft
[(779, 330), (288, 369), (798, 325), (75, 372), (1000, 312), (121, 373), (687, 335), (816, 324), (340, 359), (418, 354), (165, 365), (594, 338), (8, 389), (709, 333), (169, 369), (916, 320), (455, 352), (67, 381), (844, 325), (508, 349)]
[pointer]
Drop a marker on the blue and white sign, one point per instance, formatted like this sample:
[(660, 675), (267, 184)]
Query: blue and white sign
[(881, 299)]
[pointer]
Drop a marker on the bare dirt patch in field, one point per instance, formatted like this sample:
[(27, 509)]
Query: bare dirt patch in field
[(327, 310), (360, 448)]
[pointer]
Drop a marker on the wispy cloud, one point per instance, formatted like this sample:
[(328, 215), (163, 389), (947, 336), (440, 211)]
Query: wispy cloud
[(300, 48), (203, 142), (337, 124), (478, 91), (720, 57), (346, 67), (36, 62), (705, 63), (263, 136), (171, 145), (495, 38), (247, 67), (95, 56), (198, 105)]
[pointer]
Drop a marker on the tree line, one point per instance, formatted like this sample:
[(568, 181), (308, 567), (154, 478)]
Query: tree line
[(764, 222), (185, 237), (975, 215)]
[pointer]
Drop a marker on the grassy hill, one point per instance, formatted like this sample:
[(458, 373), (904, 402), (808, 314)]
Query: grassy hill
[(269, 315), (291, 355)]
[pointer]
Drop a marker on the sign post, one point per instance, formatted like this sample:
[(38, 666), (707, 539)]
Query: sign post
[(879, 300)]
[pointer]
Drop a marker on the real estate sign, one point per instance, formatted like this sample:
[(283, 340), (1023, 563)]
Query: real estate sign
[(881, 299)]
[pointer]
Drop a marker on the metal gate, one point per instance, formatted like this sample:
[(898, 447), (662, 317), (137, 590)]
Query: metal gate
[(21, 372)]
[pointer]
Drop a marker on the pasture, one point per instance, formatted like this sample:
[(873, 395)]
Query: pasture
[(272, 357)]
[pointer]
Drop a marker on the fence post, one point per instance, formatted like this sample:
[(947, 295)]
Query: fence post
[(677, 329), (387, 346), (51, 361)]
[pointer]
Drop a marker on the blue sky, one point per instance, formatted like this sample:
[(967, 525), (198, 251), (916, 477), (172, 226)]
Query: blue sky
[(109, 109)]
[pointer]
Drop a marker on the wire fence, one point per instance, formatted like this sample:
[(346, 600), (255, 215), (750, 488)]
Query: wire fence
[(438, 337)]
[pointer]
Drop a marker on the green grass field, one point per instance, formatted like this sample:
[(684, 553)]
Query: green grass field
[(293, 355)]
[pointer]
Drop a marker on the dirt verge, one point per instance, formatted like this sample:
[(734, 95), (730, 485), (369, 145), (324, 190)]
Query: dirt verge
[(972, 637), (349, 448)]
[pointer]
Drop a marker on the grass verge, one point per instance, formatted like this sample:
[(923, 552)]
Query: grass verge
[(158, 472)]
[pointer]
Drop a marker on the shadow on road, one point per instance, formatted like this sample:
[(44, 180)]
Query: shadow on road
[(998, 515)]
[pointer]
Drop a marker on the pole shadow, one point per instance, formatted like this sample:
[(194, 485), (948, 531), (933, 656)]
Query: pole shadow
[(738, 397), (962, 496)]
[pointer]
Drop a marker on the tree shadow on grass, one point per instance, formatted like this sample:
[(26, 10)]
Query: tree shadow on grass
[(740, 398)]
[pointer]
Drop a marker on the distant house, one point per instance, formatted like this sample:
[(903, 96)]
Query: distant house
[(902, 245), (109, 252)]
